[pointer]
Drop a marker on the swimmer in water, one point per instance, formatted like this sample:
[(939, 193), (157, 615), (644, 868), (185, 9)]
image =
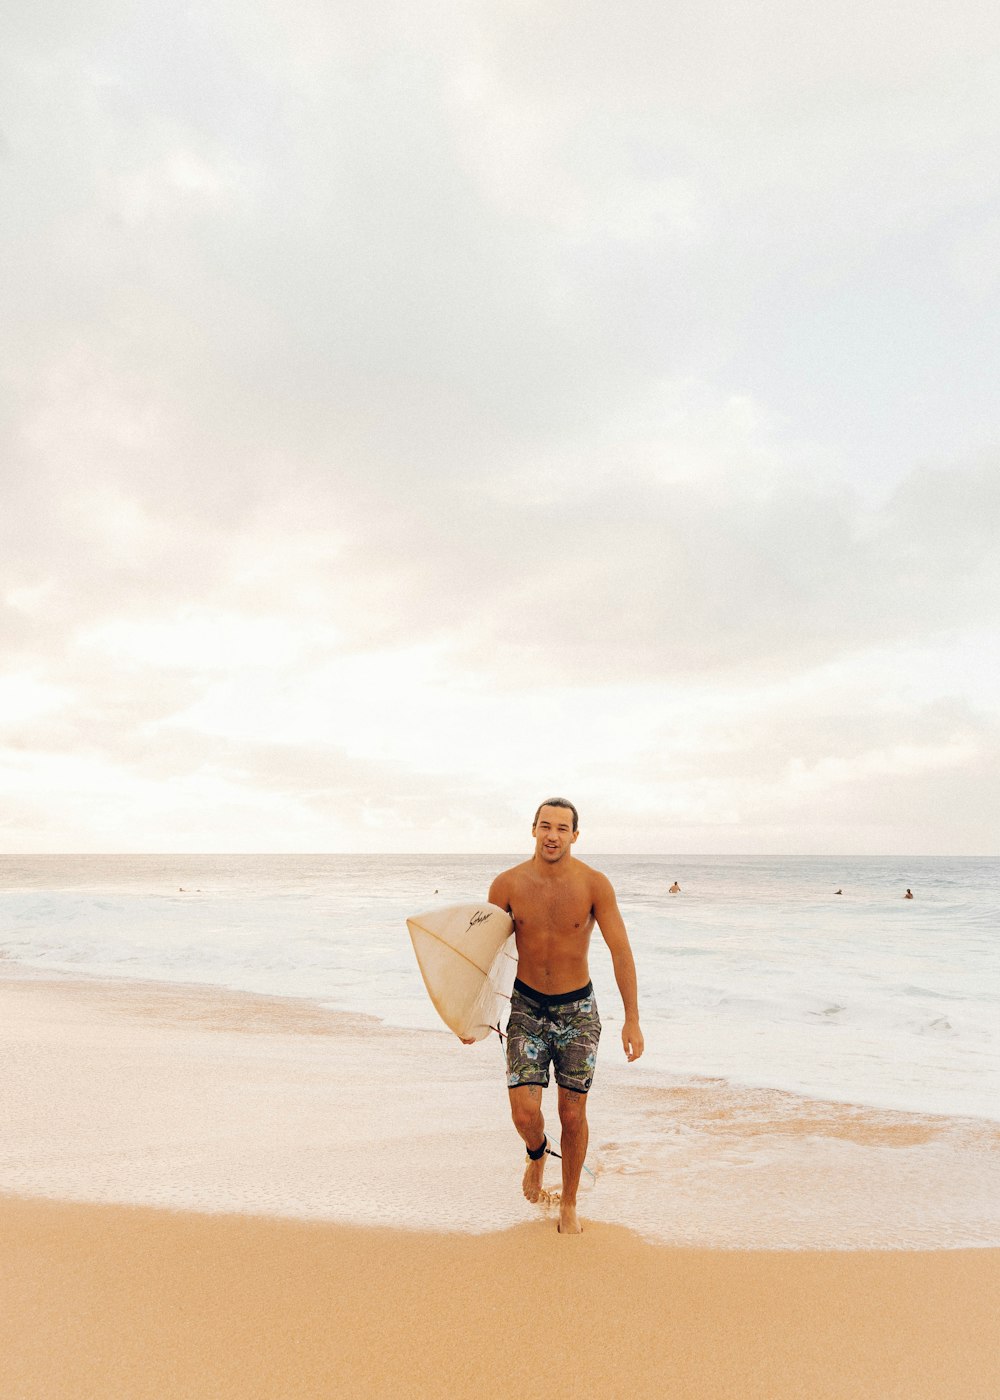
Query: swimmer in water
[(908, 894), (674, 888)]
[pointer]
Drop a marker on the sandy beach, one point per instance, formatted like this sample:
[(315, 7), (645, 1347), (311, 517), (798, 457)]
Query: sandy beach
[(202, 1197)]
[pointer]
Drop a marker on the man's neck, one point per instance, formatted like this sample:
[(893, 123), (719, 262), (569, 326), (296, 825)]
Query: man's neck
[(553, 869)]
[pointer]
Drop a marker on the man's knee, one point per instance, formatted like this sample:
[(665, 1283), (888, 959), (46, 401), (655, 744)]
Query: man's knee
[(572, 1111), (524, 1115), (526, 1110)]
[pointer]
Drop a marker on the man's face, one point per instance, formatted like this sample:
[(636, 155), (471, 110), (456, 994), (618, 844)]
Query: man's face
[(553, 833)]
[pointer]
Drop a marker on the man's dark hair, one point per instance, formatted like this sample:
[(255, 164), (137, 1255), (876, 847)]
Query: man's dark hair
[(557, 802)]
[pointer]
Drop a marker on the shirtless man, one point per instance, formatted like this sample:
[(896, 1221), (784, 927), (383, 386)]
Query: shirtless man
[(554, 901)]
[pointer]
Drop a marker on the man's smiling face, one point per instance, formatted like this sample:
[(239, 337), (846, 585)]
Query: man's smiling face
[(553, 833)]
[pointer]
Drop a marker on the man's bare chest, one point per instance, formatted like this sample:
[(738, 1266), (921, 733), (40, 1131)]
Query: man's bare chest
[(556, 910)]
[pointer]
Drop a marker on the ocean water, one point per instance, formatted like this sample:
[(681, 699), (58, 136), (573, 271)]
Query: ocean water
[(756, 974)]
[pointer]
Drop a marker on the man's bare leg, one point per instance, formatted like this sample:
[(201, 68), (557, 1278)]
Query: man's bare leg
[(573, 1146), (526, 1110)]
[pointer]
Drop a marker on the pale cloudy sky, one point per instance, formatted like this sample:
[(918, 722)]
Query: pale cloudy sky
[(410, 410)]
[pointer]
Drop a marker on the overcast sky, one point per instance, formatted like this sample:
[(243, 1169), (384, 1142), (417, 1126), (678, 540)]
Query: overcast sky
[(411, 410)]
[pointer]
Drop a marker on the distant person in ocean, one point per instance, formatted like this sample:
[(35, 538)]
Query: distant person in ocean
[(908, 894), (674, 888), (838, 891)]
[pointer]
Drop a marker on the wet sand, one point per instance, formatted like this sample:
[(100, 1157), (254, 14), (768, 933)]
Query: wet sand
[(160, 1141), (192, 1098)]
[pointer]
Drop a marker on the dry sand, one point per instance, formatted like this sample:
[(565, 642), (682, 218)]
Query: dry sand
[(121, 1100), (118, 1303)]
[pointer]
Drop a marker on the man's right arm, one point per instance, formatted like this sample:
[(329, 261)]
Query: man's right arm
[(500, 892)]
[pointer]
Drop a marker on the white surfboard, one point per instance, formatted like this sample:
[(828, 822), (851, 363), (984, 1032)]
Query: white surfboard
[(467, 958)]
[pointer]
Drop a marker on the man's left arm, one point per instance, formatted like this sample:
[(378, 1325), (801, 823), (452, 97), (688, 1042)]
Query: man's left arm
[(612, 926)]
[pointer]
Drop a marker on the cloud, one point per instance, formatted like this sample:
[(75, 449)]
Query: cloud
[(642, 578), (568, 572), (400, 403), (419, 247)]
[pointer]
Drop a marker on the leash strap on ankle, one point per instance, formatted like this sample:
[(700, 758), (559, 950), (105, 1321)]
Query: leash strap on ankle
[(541, 1151)]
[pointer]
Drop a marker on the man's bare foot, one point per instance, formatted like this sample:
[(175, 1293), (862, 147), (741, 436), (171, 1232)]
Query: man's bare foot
[(568, 1223), (532, 1183)]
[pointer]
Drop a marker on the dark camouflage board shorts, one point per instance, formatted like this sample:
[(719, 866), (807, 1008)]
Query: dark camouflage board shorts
[(564, 1034)]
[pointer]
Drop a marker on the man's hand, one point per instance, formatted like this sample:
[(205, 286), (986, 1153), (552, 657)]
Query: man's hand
[(632, 1040)]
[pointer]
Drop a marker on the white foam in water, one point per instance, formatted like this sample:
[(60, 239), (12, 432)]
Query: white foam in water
[(176, 1099), (756, 974)]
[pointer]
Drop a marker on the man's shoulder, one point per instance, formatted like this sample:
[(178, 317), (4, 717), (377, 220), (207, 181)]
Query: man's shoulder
[(598, 887), (514, 874), (521, 868), (589, 873)]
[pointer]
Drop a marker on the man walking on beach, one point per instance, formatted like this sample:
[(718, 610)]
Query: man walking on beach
[(555, 901)]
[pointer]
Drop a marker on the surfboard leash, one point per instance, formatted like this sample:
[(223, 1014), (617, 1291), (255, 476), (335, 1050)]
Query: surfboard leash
[(549, 1151)]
